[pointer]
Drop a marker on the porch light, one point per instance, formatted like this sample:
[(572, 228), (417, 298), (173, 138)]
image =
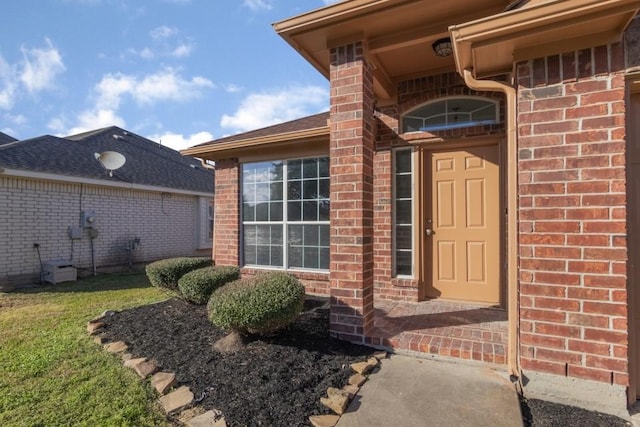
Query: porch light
[(442, 47)]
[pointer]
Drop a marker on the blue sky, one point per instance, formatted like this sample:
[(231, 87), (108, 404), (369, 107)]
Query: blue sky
[(180, 71)]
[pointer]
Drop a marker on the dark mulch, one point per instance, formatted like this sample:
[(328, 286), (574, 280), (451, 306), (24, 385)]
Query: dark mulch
[(276, 381), (272, 382), (540, 413)]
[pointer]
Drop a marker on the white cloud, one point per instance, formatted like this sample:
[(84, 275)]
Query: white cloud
[(114, 89), (57, 124), (17, 119), (182, 51), (7, 85), (257, 5), (40, 68), (263, 109), (146, 53), (232, 88), (96, 119), (163, 32), (179, 141)]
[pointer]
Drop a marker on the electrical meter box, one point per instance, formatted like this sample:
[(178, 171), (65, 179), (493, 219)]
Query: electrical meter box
[(57, 271)]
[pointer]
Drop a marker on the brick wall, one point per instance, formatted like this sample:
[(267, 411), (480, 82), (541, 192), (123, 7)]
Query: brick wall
[(33, 211), (227, 213), (351, 151), (571, 125)]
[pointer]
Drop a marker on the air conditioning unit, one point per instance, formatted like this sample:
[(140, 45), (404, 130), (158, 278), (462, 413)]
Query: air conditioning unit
[(57, 271)]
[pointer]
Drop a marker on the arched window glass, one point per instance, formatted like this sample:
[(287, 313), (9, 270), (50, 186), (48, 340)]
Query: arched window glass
[(451, 113)]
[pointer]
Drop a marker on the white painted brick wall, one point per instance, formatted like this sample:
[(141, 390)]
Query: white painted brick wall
[(33, 211)]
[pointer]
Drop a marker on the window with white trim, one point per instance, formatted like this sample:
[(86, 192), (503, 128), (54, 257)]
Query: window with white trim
[(285, 214), (403, 212), (451, 113)]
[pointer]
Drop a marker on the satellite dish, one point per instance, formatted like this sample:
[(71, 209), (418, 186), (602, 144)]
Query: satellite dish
[(111, 160)]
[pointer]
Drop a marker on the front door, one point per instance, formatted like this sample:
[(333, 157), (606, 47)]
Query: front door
[(462, 228)]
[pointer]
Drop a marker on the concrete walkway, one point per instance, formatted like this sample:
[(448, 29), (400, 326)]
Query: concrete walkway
[(412, 392)]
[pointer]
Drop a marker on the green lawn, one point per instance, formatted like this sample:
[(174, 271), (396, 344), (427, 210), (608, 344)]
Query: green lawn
[(52, 373)]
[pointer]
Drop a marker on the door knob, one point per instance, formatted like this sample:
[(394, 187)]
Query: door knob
[(429, 231)]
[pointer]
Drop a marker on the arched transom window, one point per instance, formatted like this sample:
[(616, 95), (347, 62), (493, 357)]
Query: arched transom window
[(451, 113)]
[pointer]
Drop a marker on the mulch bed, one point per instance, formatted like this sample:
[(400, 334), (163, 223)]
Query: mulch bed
[(540, 413), (275, 381)]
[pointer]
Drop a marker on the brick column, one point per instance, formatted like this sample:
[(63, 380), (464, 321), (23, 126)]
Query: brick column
[(572, 212), (351, 153), (227, 213)]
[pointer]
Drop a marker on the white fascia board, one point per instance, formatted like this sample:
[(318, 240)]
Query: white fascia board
[(99, 182)]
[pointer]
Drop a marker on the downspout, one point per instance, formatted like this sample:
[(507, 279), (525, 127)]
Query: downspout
[(513, 308)]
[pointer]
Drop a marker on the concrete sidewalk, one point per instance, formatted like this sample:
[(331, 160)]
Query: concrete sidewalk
[(412, 392)]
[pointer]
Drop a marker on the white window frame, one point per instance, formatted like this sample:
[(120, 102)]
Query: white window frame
[(455, 125), (284, 223), (394, 223)]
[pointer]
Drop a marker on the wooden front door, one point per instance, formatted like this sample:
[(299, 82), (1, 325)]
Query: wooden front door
[(462, 228)]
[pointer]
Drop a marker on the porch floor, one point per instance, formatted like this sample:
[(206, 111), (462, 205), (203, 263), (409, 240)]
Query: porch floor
[(445, 328)]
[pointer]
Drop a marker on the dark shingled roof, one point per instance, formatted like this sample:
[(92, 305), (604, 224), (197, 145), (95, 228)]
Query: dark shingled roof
[(147, 162), (5, 139), (298, 125)]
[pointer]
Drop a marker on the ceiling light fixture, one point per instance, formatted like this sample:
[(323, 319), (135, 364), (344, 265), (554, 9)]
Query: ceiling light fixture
[(442, 47)]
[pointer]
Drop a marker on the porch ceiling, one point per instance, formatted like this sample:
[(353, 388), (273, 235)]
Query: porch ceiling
[(398, 33)]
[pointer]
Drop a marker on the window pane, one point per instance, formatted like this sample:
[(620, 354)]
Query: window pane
[(323, 210), (276, 256), (324, 258), (295, 190), (294, 211), (262, 211), (276, 171), (323, 167), (323, 186), (310, 256), (403, 187), (311, 235), (276, 211), (403, 212), (324, 235), (295, 235), (403, 161), (310, 189), (294, 168), (276, 235), (310, 211), (310, 168), (404, 237), (263, 234), (451, 113), (295, 257), (248, 212), (263, 192), (249, 254), (403, 263), (264, 255), (276, 191)]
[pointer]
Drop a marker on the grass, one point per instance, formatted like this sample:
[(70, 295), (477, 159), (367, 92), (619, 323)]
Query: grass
[(52, 373)]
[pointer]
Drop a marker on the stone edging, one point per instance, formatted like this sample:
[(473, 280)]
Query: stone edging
[(181, 400)]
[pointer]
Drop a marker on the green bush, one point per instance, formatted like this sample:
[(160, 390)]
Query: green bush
[(166, 273), (197, 285), (257, 305)]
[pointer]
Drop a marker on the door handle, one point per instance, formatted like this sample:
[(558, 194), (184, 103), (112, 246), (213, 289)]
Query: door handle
[(429, 232)]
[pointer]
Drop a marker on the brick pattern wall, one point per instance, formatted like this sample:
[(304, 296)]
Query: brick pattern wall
[(227, 213), (33, 211), (351, 151), (571, 125)]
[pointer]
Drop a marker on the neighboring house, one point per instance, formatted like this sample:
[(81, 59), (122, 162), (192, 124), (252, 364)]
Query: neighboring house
[(478, 151), (5, 139), (157, 205)]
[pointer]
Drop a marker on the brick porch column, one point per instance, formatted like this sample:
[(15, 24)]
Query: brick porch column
[(227, 213), (351, 153)]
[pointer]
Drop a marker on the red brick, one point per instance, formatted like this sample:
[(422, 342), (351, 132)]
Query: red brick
[(543, 341), (543, 290), (607, 363), (593, 321), (605, 281), (557, 278), (606, 336), (557, 252), (589, 373), (588, 266), (557, 330), (543, 366), (589, 347), (557, 304), (605, 254), (557, 227)]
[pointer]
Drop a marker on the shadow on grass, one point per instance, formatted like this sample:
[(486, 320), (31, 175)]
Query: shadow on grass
[(101, 283)]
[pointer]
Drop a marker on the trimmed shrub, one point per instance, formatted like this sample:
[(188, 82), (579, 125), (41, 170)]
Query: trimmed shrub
[(197, 286), (166, 273), (257, 305)]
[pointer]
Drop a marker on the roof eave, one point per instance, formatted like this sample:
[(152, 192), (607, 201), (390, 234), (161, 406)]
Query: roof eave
[(542, 19), (220, 150)]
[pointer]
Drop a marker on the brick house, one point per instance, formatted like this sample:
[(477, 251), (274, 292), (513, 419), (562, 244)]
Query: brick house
[(471, 191), (159, 197)]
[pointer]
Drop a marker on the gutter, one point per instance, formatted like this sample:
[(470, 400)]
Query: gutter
[(513, 308)]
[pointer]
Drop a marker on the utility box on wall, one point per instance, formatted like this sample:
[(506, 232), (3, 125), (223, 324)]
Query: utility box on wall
[(57, 271)]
